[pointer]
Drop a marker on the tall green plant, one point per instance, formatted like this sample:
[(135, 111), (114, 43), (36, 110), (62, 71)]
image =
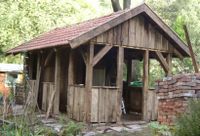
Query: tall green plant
[(188, 124)]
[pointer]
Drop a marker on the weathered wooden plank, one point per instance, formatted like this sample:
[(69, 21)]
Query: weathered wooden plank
[(119, 32), (125, 33), (110, 36), (101, 54), (151, 37), (82, 101), (105, 37), (106, 26), (70, 97), (138, 32), (71, 68), (132, 32), (115, 30), (119, 82), (142, 32), (44, 97), (88, 82), (57, 82), (145, 83), (100, 38), (169, 62), (94, 108), (38, 77), (50, 105), (164, 44)]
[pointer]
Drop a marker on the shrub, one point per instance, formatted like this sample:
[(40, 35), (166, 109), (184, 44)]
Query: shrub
[(159, 130), (188, 124), (72, 129)]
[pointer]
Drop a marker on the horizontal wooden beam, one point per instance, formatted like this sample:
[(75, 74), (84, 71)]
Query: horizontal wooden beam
[(162, 61), (101, 54)]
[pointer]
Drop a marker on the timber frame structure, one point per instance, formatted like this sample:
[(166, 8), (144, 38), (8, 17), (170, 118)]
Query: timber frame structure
[(79, 69)]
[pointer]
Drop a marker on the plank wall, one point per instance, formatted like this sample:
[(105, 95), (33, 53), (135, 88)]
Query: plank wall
[(135, 33)]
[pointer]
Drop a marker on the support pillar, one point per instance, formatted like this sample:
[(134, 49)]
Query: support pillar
[(119, 82), (57, 82), (145, 83), (88, 82), (169, 61)]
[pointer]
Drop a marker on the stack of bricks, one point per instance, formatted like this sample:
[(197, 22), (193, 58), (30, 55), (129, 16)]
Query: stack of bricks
[(174, 94)]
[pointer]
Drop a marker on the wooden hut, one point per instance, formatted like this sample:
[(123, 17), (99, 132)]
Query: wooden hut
[(83, 64)]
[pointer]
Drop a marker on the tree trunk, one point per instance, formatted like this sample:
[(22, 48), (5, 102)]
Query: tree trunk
[(116, 6), (127, 4)]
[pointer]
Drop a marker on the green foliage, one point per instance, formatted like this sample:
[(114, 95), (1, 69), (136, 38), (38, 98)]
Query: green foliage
[(159, 130), (22, 20), (72, 129), (176, 13), (188, 124)]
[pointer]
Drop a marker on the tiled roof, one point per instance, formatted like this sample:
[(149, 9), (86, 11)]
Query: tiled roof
[(62, 36)]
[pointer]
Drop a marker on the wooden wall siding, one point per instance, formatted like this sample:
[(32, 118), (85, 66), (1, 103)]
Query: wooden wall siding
[(136, 32), (104, 100), (152, 105), (48, 88), (75, 105), (103, 103)]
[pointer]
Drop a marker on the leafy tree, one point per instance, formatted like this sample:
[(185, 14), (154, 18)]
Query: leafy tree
[(176, 13), (22, 20)]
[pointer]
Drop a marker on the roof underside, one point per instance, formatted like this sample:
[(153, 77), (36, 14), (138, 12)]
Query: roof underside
[(77, 34)]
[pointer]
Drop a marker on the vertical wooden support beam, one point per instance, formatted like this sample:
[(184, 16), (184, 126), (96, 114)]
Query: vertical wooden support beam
[(71, 68), (70, 81), (129, 70), (145, 83), (169, 61), (88, 83), (57, 82), (120, 60), (37, 80)]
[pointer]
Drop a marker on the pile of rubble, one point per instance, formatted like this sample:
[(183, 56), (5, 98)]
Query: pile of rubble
[(174, 94)]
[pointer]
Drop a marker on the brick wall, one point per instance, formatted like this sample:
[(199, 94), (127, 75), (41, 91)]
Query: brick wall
[(174, 94)]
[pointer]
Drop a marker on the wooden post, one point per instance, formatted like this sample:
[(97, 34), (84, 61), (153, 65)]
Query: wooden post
[(129, 70), (38, 75), (71, 68), (194, 62), (88, 83), (119, 82), (70, 81), (57, 82), (169, 61), (145, 83)]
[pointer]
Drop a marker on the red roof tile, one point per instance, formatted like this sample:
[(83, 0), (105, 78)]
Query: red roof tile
[(62, 36)]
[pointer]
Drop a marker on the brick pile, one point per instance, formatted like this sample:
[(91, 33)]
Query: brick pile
[(173, 95)]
